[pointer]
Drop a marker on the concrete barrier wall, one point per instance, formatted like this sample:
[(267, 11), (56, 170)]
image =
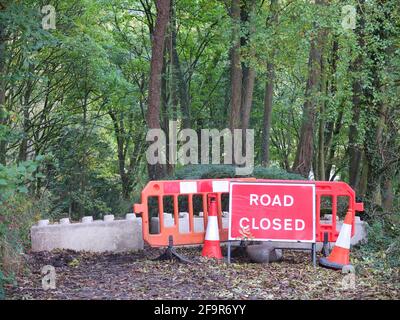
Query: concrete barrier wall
[(126, 235), (88, 235), (360, 226), (360, 234)]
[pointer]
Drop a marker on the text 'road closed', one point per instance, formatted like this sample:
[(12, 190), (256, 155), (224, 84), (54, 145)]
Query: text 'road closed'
[(272, 211)]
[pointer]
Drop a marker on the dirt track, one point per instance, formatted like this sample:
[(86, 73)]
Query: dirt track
[(136, 276)]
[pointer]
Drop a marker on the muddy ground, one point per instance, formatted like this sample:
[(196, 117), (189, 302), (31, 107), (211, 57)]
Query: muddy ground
[(137, 276)]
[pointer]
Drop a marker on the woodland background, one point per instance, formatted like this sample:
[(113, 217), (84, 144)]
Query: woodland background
[(76, 102)]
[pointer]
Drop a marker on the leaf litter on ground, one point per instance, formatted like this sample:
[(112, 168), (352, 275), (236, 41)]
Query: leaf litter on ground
[(136, 275)]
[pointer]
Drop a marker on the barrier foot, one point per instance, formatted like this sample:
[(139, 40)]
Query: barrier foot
[(171, 254), (324, 262)]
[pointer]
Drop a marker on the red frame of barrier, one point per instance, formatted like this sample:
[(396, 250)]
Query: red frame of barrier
[(204, 187)]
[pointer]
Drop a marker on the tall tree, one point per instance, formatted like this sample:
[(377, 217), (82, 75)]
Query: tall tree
[(269, 93), (249, 72), (178, 82), (355, 151), (156, 66), (3, 118), (305, 149), (236, 68), (333, 126), (379, 102), (248, 17)]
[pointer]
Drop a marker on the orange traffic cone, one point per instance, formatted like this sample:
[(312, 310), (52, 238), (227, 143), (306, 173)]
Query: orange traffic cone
[(340, 255), (211, 248)]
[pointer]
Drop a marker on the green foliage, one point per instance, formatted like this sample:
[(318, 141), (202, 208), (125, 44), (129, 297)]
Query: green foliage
[(3, 280), (203, 172), (383, 247), (15, 178), (18, 214), (215, 171), (78, 175), (275, 173)]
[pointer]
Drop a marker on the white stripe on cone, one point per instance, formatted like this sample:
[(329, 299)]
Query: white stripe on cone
[(188, 187), (220, 186), (212, 232), (343, 240)]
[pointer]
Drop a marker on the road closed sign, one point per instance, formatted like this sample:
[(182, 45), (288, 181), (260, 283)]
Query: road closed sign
[(272, 211)]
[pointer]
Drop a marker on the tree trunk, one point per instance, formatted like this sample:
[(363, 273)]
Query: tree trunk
[(363, 183), (305, 149), (179, 85), (354, 149), (374, 151), (332, 127), (3, 118), (157, 52), (166, 101), (249, 73), (268, 103), (247, 96), (321, 147), (322, 123), (269, 94), (331, 144), (119, 132), (236, 69), (23, 148), (387, 194), (378, 115)]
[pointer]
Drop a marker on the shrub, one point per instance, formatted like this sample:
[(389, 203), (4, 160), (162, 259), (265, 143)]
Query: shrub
[(3, 281), (215, 171), (14, 179), (18, 212), (383, 246)]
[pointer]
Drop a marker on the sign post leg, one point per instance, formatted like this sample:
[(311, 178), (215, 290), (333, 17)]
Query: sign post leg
[(314, 254), (229, 251)]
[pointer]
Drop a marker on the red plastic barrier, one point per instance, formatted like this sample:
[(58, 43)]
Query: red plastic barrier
[(202, 188)]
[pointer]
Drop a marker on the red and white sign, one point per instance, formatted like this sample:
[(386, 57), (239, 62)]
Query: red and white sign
[(272, 211)]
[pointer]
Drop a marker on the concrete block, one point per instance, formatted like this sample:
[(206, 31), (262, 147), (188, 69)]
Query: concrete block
[(327, 217), (87, 219), (130, 216), (360, 236), (88, 235), (108, 218), (184, 222), (64, 221), (43, 222)]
